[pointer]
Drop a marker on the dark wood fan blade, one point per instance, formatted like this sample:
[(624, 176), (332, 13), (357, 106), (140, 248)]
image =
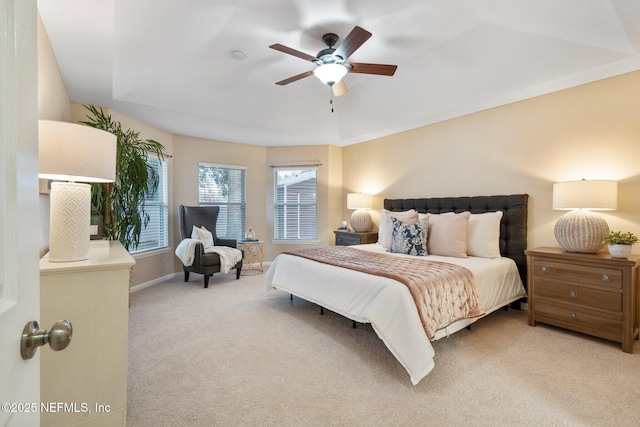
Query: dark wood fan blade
[(379, 69), (353, 41), (294, 78), (293, 52)]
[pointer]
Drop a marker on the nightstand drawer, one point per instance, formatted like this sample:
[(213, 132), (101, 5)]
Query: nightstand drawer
[(573, 294), (578, 273), (347, 240), (597, 323)]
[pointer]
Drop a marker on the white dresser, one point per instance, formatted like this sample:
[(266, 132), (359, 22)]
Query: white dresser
[(87, 381)]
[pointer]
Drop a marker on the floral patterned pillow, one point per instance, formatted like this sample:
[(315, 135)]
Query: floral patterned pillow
[(410, 239)]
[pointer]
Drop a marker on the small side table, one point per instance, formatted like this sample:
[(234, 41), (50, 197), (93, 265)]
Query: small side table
[(253, 257), (348, 238)]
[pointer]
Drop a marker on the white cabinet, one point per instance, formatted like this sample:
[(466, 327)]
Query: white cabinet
[(86, 383)]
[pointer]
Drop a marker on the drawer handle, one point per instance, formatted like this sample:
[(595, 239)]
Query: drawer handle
[(574, 315), (573, 294), (545, 269), (606, 277)]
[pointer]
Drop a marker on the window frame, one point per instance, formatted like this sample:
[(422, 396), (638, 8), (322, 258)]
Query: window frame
[(242, 204), (163, 204), (276, 206)]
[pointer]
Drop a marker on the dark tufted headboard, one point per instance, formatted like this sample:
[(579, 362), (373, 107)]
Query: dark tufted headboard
[(513, 227)]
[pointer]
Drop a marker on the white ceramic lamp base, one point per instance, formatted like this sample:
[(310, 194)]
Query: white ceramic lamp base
[(581, 231), (361, 220), (70, 219)]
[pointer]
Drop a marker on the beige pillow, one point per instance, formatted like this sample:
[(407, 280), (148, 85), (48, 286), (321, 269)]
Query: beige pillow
[(386, 228), (203, 235), (483, 239), (447, 235)]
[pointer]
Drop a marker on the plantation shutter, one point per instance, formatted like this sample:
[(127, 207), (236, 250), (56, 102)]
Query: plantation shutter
[(295, 216), (224, 186)]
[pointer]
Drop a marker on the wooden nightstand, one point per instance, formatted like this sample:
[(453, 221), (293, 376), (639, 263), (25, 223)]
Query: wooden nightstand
[(589, 293), (348, 238)]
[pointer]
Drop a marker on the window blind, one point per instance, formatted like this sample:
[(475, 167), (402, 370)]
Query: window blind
[(224, 186), (295, 204), (155, 234)]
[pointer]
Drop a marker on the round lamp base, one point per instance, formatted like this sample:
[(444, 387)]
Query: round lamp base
[(581, 231), (361, 221)]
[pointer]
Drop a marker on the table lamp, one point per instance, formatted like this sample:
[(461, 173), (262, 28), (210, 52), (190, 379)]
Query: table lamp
[(580, 230), (360, 219), (71, 152)]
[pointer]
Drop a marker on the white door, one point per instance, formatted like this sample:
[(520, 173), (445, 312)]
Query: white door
[(19, 212)]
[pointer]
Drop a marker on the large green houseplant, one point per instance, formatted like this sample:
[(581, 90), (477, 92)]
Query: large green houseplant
[(122, 203)]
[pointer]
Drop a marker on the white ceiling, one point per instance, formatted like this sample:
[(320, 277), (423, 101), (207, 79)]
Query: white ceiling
[(168, 62)]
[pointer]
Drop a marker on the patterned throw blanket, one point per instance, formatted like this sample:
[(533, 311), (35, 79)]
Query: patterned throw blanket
[(443, 292)]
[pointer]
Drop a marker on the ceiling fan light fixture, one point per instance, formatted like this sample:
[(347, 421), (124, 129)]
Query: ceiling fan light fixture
[(330, 74)]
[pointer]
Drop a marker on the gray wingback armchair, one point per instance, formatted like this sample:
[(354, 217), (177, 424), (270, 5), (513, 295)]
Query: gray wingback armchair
[(204, 263)]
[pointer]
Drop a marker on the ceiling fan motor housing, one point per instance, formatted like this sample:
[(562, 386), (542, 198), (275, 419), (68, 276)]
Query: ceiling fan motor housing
[(330, 39), (326, 56)]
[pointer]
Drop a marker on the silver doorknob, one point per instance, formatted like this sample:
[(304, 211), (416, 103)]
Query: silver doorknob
[(58, 337)]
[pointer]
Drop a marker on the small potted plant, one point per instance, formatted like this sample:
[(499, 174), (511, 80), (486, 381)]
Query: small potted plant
[(620, 243)]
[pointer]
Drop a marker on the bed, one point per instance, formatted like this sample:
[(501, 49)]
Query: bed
[(386, 303)]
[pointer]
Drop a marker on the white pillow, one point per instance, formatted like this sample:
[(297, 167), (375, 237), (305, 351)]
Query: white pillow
[(447, 235), (203, 235), (483, 239), (386, 228)]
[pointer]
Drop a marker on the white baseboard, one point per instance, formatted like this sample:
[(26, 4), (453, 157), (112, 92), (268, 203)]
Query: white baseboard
[(141, 286)]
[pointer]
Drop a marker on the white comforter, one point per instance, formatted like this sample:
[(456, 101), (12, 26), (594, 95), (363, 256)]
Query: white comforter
[(387, 304)]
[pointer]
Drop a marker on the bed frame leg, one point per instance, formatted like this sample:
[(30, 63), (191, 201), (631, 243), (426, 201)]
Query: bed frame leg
[(322, 311), (354, 324), (291, 297), (468, 328)]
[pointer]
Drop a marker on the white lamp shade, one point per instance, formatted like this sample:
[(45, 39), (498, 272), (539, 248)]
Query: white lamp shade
[(359, 201), (78, 153), (590, 195), (72, 152), (330, 73)]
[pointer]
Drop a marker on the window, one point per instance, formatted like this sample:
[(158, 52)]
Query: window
[(155, 234), (295, 216), (224, 186)]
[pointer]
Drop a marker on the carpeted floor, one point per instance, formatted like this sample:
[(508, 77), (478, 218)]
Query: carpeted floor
[(237, 355)]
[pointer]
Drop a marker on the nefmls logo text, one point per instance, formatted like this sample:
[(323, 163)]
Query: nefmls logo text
[(82, 407)]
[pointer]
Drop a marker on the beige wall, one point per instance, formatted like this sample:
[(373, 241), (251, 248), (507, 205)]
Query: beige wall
[(53, 100), (53, 104), (190, 151), (153, 265), (591, 131)]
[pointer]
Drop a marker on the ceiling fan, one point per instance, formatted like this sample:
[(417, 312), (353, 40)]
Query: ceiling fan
[(332, 63)]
